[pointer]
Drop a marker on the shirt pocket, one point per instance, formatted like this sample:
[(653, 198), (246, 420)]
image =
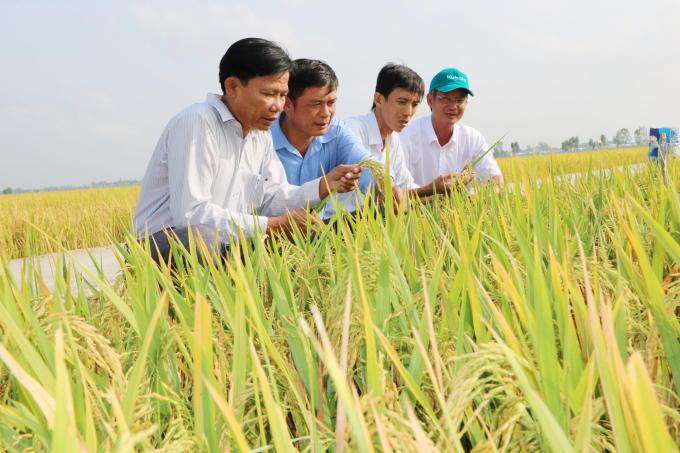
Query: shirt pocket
[(260, 192)]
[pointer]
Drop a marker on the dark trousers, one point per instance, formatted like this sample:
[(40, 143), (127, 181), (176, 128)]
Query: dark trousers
[(159, 243)]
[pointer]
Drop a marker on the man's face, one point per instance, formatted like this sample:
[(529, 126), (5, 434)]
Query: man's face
[(313, 111), (446, 110), (257, 104), (398, 109)]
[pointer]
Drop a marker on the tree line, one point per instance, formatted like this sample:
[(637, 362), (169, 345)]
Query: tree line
[(620, 138), (92, 185)]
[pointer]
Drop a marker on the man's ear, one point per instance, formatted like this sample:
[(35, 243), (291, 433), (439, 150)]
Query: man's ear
[(288, 105), (430, 99), (377, 99), (231, 86)]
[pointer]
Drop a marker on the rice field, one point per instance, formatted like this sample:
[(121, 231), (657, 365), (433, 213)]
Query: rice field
[(77, 218), (504, 322), (576, 162), (91, 217)]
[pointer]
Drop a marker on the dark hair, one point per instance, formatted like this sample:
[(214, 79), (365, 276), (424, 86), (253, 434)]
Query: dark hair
[(253, 57), (310, 73), (393, 76)]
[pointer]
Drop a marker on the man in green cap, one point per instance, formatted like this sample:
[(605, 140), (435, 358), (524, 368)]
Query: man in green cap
[(440, 143)]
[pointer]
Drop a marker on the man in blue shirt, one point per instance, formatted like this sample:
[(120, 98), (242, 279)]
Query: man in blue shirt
[(307, 139)]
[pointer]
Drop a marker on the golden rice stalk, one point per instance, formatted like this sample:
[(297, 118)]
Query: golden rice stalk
[(465, 173), (468, 169), (376, 169)]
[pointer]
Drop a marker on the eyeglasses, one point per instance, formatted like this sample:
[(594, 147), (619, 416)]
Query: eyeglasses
[(450, 100)]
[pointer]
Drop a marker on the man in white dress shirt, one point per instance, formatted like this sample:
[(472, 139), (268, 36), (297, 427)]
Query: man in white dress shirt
[(440, 143), (398, 92), (215, 167)]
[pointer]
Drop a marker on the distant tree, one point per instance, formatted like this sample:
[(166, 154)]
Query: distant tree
[(622, 137), (514, 148), (641, 135), (543, 146), (498, 150), (603, 140), (7, 191), (592, 144), (570, 144)]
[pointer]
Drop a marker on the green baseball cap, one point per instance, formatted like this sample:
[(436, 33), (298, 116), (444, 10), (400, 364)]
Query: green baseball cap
[(450, 79)]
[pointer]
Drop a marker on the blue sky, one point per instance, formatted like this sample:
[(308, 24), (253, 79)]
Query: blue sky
[(87, 87)]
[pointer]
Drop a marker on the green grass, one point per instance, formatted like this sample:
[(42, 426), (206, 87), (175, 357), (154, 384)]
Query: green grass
[(538, 321)]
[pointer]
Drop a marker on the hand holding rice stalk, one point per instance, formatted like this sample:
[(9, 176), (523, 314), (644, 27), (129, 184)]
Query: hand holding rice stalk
[(378, 172), (317, 209), (468, 170), (376, 169)]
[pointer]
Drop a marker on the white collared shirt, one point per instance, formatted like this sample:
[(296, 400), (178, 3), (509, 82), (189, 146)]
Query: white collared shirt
[(366, 128), (203, 172), (427, 159)]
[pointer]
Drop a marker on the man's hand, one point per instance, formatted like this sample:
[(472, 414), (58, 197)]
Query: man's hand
[(442, 185), (458, 184), (284, 224), (399, 200), (448, 184), (345, 176)]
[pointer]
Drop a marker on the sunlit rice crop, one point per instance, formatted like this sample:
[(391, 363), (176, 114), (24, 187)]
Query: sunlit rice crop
[(544, 319), (77, 218), (574, 162)]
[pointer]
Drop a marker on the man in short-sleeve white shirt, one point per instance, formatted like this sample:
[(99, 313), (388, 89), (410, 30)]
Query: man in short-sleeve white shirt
[(440, 143), (398, 93)]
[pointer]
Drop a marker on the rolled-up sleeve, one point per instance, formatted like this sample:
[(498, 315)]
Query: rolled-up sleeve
[(193, 153)]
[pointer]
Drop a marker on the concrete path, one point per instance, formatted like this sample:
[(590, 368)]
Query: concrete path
[(106, 258), (572, 177)]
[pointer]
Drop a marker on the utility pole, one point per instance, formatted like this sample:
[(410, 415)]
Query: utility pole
[(662, 155)]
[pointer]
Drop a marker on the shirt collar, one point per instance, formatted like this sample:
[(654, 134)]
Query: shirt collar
[(374, 137), (281, 142), (332, 132), (221, 108), (429, 129), (432, 136), (279, 138)]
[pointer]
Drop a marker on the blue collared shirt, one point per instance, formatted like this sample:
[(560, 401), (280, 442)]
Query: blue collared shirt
[(338, 146)]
